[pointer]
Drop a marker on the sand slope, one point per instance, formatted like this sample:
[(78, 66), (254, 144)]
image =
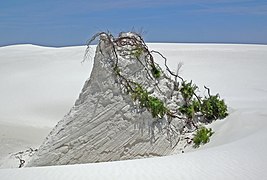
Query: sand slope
[(38, 87)]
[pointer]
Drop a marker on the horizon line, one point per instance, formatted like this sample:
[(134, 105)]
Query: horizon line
[(166, 42)]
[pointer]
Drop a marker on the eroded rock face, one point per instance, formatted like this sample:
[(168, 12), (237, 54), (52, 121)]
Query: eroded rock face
[(103, 125)]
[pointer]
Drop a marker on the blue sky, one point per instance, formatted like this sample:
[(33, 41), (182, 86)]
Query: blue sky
[(73, 22)]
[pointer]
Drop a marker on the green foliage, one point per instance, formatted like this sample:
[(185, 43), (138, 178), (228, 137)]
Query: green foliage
[(156, 107), (187, 90), (153, 104), (214, 108), (190, 109), (141, 95), (155, 72), (202, 136), (196, 105), (187, 110), (211, 107)]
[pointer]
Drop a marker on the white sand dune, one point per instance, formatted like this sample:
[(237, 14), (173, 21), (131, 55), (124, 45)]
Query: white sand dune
[(39, 85)]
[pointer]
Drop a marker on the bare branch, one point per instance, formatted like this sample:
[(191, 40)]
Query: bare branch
[(208, 90), (167, 68), (21, 161)]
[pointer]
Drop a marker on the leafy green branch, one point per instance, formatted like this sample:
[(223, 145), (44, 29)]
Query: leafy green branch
[(202, 136)]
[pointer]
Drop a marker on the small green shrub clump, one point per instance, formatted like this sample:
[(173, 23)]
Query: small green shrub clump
[(187, 110), (153, 104), (211, 107), (141, 95), (156, 107), (202, 136), (196, 105), (187, 90), (214, 108), (190, 109)]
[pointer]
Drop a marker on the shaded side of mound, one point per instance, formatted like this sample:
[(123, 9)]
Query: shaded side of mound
[(105, 124)]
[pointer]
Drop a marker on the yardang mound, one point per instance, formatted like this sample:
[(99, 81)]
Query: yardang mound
[(109, 121)]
